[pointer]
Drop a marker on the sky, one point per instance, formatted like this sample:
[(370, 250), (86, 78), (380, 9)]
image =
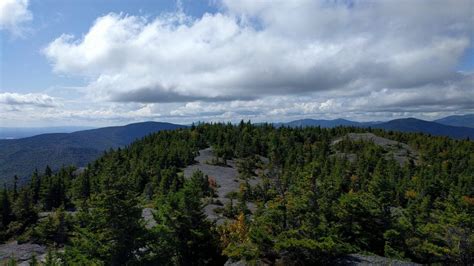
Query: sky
[(107, 62)]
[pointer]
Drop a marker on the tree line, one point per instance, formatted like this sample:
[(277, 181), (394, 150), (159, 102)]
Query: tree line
[(312, 206)]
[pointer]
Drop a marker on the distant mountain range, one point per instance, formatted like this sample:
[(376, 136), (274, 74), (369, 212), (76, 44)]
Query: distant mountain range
[(24, 132), (22, 156), (458, 120), (403, 125), (325, 123), (427, 127)]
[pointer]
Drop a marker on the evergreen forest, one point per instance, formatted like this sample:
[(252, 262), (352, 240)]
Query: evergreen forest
[(311, 204)]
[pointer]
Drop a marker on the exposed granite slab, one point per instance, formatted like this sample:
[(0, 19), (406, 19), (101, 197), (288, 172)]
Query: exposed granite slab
[(226, 178), (21, 252)]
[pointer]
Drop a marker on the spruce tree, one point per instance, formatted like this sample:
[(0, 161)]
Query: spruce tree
[(183, 236), (110, 228), (6, 209), (35, 184)]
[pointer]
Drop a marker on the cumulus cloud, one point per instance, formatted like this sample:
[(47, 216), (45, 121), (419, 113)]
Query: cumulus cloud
[(31, 99), (13, 15), (289, 57)]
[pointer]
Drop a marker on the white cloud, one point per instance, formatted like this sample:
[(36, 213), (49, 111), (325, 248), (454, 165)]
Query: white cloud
[(288, 58), (377, 105), (219, 56), (13, 15), (33, 99)]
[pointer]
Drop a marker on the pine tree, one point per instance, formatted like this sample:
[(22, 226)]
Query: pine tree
[(52, 259), (53, 229), (47, 171), (24, 210), (111, 230), (34, 260), (15, 187), (35, 184), (183, 235), (6, 209)]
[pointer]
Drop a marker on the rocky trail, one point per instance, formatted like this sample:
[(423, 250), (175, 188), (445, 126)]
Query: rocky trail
[(22, 253), (400, 152), (226, 178)]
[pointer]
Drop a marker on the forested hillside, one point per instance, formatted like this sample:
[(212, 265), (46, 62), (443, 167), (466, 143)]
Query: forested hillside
[(450, 126), (466, 120), (312, 205), (22, 156), (427, 127)]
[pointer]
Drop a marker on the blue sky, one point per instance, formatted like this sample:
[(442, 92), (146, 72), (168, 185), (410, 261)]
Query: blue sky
[(101, 62), (55, 17)]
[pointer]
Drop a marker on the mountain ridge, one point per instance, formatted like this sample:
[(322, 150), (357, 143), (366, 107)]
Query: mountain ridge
[(22, 156), (403, 124), (24, 132), (466, 120), (428, 127)]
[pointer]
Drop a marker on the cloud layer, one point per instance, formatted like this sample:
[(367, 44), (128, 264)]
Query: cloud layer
[(13, 14), (32, 99), (272, 60), (254, 49)]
